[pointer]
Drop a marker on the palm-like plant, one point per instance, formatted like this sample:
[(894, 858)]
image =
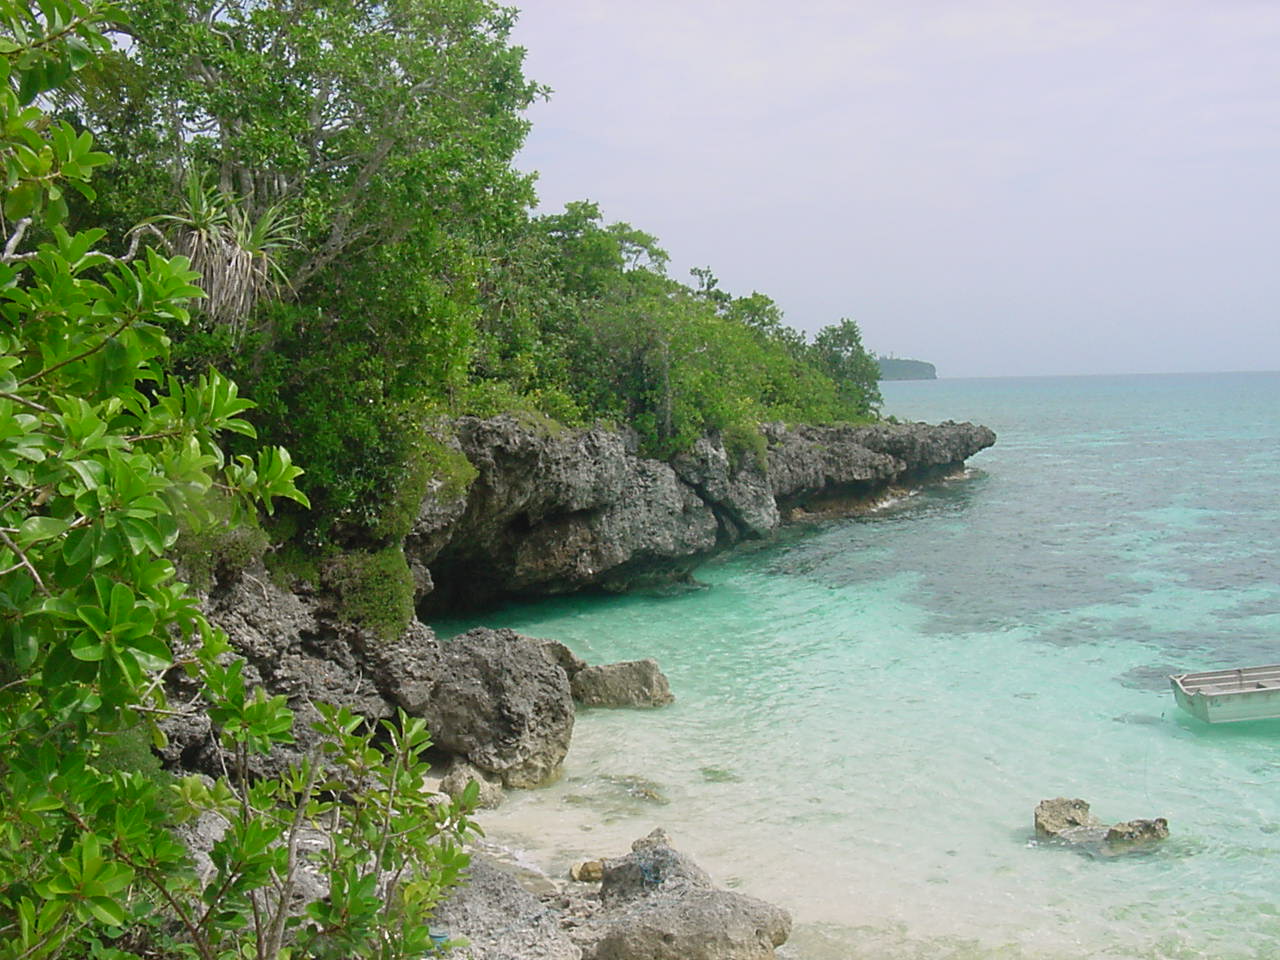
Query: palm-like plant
[(236, 254)]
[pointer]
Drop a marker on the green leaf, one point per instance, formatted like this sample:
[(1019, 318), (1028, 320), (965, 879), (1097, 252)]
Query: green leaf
[(106, 910), (35, 529)]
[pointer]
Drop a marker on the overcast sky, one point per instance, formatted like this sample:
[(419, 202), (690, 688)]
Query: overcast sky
[(1002, 187)]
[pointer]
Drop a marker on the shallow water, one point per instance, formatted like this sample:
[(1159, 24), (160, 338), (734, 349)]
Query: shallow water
[(868, 712)]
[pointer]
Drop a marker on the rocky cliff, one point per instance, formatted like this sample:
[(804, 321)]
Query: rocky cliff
[(552, 510)]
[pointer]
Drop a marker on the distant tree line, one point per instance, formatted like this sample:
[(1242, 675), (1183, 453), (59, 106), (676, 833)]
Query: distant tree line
[(900, 368)]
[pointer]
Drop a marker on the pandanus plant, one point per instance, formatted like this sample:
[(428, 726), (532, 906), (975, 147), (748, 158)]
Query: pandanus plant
[(236, 254)]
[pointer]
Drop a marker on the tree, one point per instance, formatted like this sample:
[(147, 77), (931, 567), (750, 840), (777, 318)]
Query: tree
[(364, 119), (838, 351), (101, 455), (383, 133)]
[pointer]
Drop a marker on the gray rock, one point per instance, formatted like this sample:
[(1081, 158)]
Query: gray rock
[(631, 683), (700, 925), (741, 493), (1055, 817), (563, 657), (1134, 833), (291, 648), (501, 919), (660, 905), (649, 869), (499, 702), (554, 510), (461, 774)]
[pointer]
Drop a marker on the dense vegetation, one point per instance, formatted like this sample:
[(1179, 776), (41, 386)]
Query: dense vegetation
[(341, 174), (315, 200)]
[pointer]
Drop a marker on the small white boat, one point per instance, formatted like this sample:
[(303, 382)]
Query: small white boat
[(1228, 696)]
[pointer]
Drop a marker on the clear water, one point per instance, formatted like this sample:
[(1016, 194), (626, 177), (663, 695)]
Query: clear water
[(869, 712)]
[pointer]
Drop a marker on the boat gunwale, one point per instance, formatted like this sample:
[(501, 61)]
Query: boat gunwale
[(1221, 683)]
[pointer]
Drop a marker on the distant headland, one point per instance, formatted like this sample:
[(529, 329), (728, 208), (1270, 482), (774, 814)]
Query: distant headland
[(897, 368)]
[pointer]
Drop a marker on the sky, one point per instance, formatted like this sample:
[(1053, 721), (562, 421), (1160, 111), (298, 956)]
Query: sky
[(1000, 187)]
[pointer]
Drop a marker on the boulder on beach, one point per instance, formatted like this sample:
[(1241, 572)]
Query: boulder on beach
[(461, 774), (501, 919), (631, 683), (657, 904)]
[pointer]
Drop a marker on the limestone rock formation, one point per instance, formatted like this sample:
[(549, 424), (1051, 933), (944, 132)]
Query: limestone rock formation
[(1137, 832), (1055, 817), (498, 701), (494, 698), (657, 904), (631, 683), (553, 510), (1071, 822)]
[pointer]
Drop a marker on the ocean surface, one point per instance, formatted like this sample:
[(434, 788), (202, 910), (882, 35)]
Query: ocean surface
[(869, 711)]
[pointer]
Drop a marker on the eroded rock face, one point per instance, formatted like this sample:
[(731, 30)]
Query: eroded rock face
[(494, 698), (631, 683), (498, 701), (554, 510)]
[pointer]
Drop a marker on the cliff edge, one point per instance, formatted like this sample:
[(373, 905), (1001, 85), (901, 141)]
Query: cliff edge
[(552, 510)]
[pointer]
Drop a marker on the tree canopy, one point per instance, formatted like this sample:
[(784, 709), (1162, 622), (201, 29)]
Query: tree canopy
[(342, 175)]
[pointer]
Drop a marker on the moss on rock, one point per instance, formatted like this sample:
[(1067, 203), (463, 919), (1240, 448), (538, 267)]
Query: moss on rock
[(373, 589), (432, 465)]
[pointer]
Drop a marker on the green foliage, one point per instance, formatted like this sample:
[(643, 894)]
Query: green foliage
[(433, 466), (587, 309), (223, 542), (839, 352), (374, 589), (103, 459)]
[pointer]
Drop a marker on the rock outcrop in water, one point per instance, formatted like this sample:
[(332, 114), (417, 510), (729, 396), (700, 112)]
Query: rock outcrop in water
[(558, 510), (1071, 822), (501, 702)]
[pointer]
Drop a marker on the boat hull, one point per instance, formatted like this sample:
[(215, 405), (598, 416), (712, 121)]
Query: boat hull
[(1230, 696)]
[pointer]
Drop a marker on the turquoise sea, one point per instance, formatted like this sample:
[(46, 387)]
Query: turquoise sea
[(869, 711)]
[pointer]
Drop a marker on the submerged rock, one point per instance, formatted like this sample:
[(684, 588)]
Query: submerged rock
[(1060, 815), (1137, 832), (1071, 822), (631, 683)]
